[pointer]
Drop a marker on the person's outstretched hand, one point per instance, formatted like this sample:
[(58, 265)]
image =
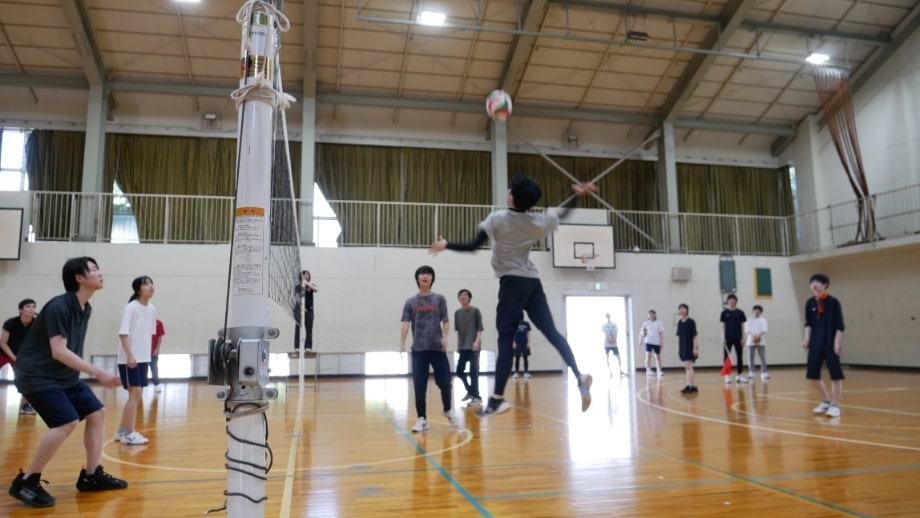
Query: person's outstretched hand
[(582, 189), (438, 246)]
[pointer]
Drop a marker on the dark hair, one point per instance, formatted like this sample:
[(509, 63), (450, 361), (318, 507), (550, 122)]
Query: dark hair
[(23, 302), (524, 191), (653, 311), (820, 277), (464, 290), (424, 269), (682, 305), (758, 307), (136, 286), (72, 268), (732, 296), (306, 272)]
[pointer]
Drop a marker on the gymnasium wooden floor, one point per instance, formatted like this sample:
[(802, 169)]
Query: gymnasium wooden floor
[(641, 450)]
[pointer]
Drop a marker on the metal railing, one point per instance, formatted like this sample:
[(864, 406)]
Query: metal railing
[(64, 216)]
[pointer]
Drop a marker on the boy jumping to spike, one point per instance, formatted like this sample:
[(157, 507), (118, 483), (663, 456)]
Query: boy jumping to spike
[(513, 232)]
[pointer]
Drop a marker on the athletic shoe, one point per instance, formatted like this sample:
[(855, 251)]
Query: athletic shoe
[(660, 374), (648, 373), (475, 401), (118, 436), (99, 481), (822, 408), (453, 419), (496, 406), (584, 385), (27, 409), (30, 491), (750, 375), (133, 439), (421, 425), (294, 354), (514, 376), (467, 397), (728, 379), (764, 376), (158, 389), (687, 390), (833, 411), (695, 389), (741, 379), (527, 376)]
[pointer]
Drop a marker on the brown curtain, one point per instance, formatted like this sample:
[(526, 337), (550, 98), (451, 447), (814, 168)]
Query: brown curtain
[(708, 190), (54, 162)]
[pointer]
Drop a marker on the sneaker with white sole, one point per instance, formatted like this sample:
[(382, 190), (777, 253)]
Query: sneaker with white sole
[(764, 376), (728, 379), (741, 379), (421, 425), (467, 397), (27, 409), (660, 374), (584, 385), (133, 439), (496, 406), (476, 401), (514, 376), (527, 376), (822, 408), (454, 421), (118, 436), (833, 411)]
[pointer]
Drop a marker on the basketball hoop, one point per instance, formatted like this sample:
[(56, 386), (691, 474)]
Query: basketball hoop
[(588, 261)]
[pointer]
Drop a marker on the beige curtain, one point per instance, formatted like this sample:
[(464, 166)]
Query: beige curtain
[(729, 190), (54, 162)]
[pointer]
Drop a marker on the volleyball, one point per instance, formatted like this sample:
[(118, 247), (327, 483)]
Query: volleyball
[(498, 105)]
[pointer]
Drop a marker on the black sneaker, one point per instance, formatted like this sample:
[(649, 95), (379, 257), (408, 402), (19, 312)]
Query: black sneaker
[(27, 409), (694, 389), (30, 491), (99, 481), (496, 406), (687, 390)]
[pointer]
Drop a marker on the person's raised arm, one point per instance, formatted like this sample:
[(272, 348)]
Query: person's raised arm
[(441, 244)]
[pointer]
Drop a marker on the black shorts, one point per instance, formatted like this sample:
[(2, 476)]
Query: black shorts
[(58, 407), (136, 377), (818, 357), (614, 349), (650, 348), (519, 352), (686, 354)]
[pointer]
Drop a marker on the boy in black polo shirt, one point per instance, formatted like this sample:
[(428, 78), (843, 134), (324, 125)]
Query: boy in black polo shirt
[(48, 374), (14, 332), (823, 331)]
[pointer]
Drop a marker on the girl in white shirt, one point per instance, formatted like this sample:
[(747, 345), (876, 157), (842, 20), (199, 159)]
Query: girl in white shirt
[(756, 328), (138, 325)]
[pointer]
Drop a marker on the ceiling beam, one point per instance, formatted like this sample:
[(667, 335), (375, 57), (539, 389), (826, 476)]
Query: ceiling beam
[(699, 66), (90, 57), (698, 18), (521, 47)]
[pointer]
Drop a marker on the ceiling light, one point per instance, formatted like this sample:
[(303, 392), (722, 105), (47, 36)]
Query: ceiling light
[(637, 35), (187, 1), (210, 116), (431, 18), (817, 59)]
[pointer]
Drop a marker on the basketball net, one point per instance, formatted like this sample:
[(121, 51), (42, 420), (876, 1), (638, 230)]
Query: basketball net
[(588, 261)]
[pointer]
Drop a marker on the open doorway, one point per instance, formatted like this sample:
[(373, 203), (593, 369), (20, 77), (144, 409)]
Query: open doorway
[(584, 321)]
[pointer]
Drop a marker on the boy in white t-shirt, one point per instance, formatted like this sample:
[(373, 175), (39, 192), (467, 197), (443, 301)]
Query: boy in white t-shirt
[(652, 334), (756, 328)]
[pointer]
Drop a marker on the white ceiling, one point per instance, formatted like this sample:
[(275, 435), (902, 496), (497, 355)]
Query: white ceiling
[(730, 69)]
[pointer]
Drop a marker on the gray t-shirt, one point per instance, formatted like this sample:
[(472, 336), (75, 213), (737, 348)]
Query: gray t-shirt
[(467, 322), (425, 313), (513, 234)]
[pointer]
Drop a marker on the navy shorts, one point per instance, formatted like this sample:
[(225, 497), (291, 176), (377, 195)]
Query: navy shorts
[(614, 349), (818, 357), (58, 407), (649, 348), (136, 377)]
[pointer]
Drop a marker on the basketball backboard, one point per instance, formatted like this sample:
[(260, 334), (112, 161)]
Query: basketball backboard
[(583, 246)]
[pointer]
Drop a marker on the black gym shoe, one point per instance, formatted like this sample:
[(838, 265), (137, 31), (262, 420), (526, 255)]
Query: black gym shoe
[(496, 406), (687, 390), (99, 481), (30, 491)]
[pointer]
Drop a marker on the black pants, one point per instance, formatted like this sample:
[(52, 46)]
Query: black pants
[(515, 296), (441, 367), (517, 363), (308, 329), (471, 357), (739, 353)]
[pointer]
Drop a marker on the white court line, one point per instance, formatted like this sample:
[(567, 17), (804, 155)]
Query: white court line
[(640, 397), (870, 409), (296, 434)]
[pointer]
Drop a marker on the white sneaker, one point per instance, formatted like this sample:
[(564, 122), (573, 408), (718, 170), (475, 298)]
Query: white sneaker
[(660, 374), (133, 439), (833, 411), (514, 376), (741, 379), (764, 376), (728, 379), (453, 420), (421, 425), (118, 437), (526, 375), (822, 408), (750, 375), (648, 373)]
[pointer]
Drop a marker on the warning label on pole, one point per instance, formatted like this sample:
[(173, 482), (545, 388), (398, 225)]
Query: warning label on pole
[(248, 257)]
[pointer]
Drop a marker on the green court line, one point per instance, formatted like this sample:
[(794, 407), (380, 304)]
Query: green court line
[(854, 471), (755, 482)]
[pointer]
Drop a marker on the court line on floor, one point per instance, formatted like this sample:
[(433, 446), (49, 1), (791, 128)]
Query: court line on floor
[(641, 398), (288, 492), (755, 482), (440, 469)]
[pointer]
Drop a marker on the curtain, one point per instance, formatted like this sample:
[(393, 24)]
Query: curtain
[(708, 190), (148, 164), (54, 162)]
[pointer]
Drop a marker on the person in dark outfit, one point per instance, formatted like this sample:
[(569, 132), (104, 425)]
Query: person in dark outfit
[(687, 346), (733, 320), (14, 332), (303, 313), (823, 331)]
